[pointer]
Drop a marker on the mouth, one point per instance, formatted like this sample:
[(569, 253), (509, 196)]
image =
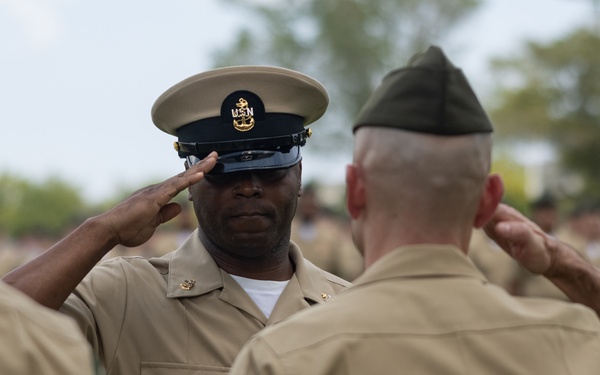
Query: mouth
[(250, 222), (248, 214)]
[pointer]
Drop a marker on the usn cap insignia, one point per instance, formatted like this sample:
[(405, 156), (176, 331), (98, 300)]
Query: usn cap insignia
[(243, 119), (243, 109)]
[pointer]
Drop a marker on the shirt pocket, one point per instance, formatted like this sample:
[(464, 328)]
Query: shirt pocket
[(165, 368)]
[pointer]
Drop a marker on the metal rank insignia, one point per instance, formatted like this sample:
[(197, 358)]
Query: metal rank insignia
[(243, 119), (187, 284), (326, 297)]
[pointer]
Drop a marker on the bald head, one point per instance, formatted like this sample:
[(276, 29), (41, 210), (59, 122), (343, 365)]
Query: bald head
[(438, 177)]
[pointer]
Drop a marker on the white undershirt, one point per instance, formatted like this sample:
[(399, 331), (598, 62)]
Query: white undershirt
[(264, 293)]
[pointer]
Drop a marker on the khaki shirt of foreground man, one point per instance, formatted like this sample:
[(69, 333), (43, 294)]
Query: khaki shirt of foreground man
[(190, 311), (37, 340), (136, 313), (418, 183)]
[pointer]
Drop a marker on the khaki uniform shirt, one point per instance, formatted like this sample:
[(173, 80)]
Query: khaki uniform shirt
[(147, 316), (427, 310), (37, 340)]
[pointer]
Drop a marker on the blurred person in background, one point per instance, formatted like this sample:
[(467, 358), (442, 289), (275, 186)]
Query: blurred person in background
[(322, 238), (493, 262), (583, 229), (544, 211)]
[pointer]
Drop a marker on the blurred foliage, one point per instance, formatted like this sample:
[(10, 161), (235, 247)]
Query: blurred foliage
[(552, 93), (348, 45), (52, 207), (513, 175), (46, 209)]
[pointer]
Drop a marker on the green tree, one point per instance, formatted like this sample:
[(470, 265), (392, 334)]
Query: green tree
[(551, 93), (47, 208), (346, 44)]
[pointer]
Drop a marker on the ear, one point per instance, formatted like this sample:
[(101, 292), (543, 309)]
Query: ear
[(355, 191), (491, 197)]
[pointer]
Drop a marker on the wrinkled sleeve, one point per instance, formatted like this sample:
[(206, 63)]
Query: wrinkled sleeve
[(37, 340), (98, 306), (257, 358)]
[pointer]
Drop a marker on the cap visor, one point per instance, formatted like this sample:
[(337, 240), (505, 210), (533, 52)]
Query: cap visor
[(256, 159)]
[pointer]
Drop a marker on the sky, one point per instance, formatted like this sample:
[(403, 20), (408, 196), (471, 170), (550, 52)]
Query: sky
[(78, 79)]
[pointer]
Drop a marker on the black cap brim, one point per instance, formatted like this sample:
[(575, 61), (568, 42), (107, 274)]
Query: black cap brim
[(256, 159)]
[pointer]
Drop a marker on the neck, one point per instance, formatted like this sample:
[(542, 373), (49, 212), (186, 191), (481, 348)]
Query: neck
[(274, 264), (380, 239)]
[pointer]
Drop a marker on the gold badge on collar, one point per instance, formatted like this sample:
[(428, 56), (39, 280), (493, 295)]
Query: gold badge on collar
[(326, 297), (187, 284), (242, 116)]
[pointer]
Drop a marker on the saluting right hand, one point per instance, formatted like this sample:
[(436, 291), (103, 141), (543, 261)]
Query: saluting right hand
[(133, 221), (522, 239)]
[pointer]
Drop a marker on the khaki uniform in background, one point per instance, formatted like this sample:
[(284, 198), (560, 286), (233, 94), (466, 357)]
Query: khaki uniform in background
[(149, 317), (427, 310), (531, 285), (589, 248), (497, 266), (15, 252), (11, 257), (326, 245), (37, 341)]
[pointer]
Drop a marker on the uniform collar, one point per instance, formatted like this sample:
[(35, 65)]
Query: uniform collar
[(313, 281), (193, 262), (425, 260)]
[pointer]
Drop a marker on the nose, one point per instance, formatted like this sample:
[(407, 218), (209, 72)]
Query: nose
[(248, 186)]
